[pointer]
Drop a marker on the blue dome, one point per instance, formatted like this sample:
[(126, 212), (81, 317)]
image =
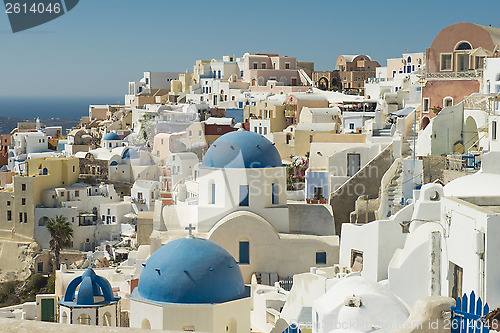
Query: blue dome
[(191, 270), (242, 149), (111, 136), (94, 290)]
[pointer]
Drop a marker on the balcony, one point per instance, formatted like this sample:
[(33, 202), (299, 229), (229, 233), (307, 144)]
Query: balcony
[(467, 75)]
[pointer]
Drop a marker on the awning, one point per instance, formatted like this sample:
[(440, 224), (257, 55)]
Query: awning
[(403, 112)]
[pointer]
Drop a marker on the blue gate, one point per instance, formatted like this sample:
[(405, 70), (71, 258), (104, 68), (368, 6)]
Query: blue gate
[(467, 314)]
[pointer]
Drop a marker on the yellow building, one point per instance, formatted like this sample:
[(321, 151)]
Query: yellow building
[(17, 204), (271, 114)]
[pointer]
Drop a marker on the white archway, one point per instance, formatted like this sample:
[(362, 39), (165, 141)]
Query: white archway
[(471, 135), (231, 326), (106, 319), (84, 319), (146, 324)]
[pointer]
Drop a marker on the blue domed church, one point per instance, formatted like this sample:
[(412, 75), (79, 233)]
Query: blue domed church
[(191, 284), (89, 300)]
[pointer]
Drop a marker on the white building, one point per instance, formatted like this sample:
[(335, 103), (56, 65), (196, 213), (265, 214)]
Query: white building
[(144, 193), (82, 205), (242, 206)]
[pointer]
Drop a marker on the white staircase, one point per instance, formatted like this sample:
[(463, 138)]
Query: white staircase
[(394, 191)]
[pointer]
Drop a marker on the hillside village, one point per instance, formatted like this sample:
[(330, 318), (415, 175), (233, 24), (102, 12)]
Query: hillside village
[(257, 194)]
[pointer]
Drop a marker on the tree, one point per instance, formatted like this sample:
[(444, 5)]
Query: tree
[(61, 233)]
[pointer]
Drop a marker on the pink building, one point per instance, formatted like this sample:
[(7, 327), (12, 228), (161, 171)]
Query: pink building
[(262, 67)]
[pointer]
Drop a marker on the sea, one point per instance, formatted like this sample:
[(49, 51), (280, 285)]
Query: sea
[(68, 109)]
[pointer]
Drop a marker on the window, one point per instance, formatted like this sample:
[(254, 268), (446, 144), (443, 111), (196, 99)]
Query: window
[(255, 129), (479, 62), (8, 203), (77, 193), (310, 138), (263, 65), (23, 187), (356, 261), (426, 105), (321, 258), (446, 61), (275, 194), (456, 280), (448, 101), (287, 65), (9, 215), (212, 194), (265, 130), (494, 130), (351, 126), (46, 171), (23, 201), (25, 217), (244, 252), (462, 62), (74, 169), (20, 217), (463, 46), (255, 65), (114, 218), (244, 195)]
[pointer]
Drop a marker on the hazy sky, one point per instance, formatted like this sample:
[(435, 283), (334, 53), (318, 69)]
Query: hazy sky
[(95, 49)]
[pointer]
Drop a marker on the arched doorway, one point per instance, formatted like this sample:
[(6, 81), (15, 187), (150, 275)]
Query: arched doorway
[(323, 83), (470, 135), (425, 122)]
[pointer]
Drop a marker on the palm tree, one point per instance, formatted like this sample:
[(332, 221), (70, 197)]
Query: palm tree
[(61, 233)]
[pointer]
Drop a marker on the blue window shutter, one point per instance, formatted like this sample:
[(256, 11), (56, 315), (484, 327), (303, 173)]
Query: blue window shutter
[(244, 252), (243, 195), (213, 194), (276, 197)]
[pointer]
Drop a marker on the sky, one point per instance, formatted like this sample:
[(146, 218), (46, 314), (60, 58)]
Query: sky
[(101, 45)]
